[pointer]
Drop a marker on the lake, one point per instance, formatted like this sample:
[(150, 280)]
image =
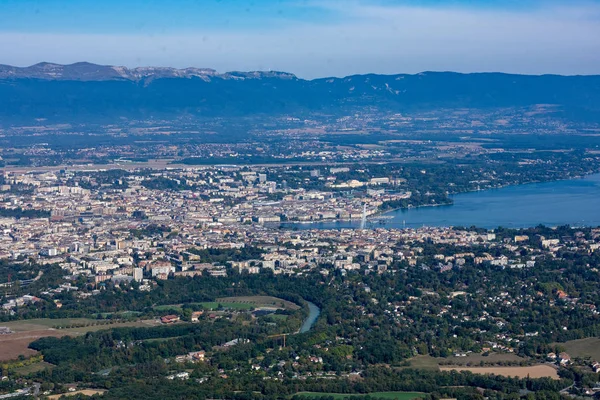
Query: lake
[(574, 202)]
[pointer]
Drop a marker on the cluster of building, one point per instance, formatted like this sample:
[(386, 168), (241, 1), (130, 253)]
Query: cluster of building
[(123, 229)]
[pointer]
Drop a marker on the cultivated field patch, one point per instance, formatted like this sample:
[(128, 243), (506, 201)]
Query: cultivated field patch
[(33, 368), (261, 301), (589, 347), (374, 395), (46, 323), (534, 371), (84, 392), (207, 305), (475, 359), (15, 344), (424, 362)]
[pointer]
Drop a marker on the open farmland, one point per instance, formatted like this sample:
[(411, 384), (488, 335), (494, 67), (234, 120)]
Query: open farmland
[(33, 368), (588, 347), (229, 305), (260, 301), (207, 305), (84, 392), (16, 344), (534, 371), (424, 362), (236, 303), (27, 331), (497, 359), (374, 395), (38, 324)]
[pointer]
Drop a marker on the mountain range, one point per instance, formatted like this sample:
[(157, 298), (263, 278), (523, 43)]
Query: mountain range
[(90, 92), (84, 71)]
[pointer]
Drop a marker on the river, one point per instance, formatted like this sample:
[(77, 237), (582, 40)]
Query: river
[(575, 202), (313, 314)]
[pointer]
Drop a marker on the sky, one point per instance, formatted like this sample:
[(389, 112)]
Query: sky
[(311, 38)]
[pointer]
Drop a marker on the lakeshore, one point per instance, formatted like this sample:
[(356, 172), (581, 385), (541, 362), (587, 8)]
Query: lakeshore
[(565, 202)]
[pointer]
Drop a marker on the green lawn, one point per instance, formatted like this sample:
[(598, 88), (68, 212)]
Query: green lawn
[(261, 301), (236, 303), (120, 313), (33, 368), (589, 347), (424, 362), (375, 395), (46, 323), (155, 340), (83, 325), (207, 305), (213, 305), (117, 324)]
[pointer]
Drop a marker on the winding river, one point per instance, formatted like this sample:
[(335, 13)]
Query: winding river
[(313, 314)]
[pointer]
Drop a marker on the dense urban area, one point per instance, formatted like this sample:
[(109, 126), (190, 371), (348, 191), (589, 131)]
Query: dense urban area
[(185, 281), (159, 236)]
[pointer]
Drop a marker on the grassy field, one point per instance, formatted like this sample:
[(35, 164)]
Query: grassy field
[(236, 303), (168, 307), (375, 395), (589, 347), (213, 305), (207, 305), (80, 325), (424, 362), (33, 368), (434, 364), (534, 371), (155, 340), (46, 323), (119, 314), (27, 331), (474, 359), (85, 392), (262, 301)]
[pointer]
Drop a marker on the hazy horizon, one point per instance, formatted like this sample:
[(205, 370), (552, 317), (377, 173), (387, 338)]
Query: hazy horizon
[(309, 38), (291, 72)]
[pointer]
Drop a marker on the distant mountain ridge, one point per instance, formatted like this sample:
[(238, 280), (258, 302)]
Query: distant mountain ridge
[(84, 71), (90, 92)]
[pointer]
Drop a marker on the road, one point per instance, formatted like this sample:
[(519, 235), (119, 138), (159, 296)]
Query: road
[(33, 390)]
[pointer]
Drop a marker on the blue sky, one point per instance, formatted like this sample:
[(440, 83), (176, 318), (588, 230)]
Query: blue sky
[(311, 38), (153, 16)]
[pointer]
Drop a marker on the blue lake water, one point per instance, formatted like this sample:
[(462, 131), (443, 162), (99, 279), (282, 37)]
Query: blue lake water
[(575, 202)]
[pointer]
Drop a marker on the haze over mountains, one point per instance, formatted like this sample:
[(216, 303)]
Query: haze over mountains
[(84, 71), (90, 92)]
